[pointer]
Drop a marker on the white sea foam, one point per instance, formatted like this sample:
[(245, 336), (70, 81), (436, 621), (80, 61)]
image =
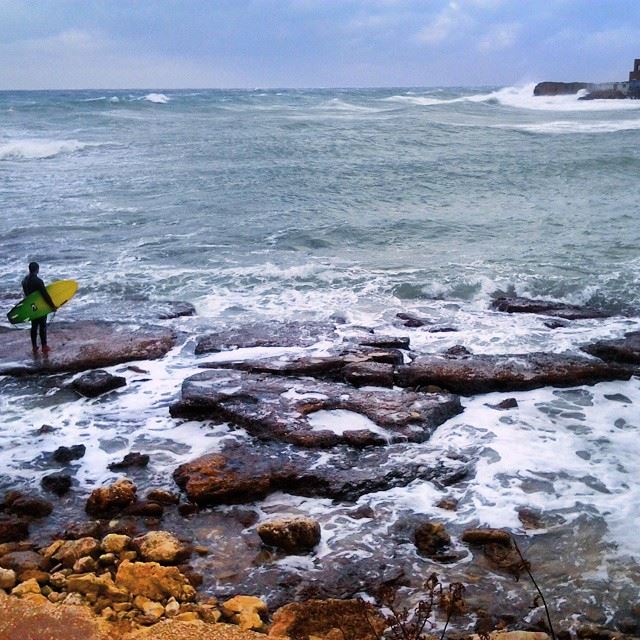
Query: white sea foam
[(341, 420), (157, 98), (572, 127), (30, 149)]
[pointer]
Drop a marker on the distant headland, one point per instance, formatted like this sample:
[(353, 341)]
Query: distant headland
[(593, 91)]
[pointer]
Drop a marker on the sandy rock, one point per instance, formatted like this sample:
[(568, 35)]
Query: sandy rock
[(154, 581), (74, 599), (70, 551), (294, 535), (172, 607), (85, 565), (111, 499), (320, 618), (90, 584), (149, 607), (7, 579), (248, 612), (188, 616), (29, 586), (58, 580), (115, 543), (162, 547)]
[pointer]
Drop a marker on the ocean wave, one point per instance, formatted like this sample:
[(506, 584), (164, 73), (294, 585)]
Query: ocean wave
[(156, 98), (32, 149), (566, 126), (521, 97)]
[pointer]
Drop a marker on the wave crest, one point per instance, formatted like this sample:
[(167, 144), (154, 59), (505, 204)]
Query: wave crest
[(156, 98), (29, 149)]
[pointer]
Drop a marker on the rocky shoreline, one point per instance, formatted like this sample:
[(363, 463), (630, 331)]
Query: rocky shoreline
[(133, 572)]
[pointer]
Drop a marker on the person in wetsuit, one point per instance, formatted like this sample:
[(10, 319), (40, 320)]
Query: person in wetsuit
[(30, 284)]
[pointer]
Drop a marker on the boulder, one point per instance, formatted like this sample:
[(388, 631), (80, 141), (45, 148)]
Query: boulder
[(162, 547), (67, 454), (353, 619), (624, 350), (248, 612), (154, 581), (82, 345), (294, 535), (12, 528), (473, 374), (517, 304), (431, 539), (175, 309), (267, 334), (106, 501), (277, 408), (133, 459), (21, 561), (58, 483), (95, 383), (412, 321), (162, 496), (241, 473), (30, 506)]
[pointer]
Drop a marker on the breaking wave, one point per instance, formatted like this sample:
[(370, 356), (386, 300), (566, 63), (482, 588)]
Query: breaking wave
[(30, 149), (569, 127), (157, 98)]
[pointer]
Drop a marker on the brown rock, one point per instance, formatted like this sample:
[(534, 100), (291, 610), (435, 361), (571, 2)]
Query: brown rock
[(7, 579), (145, 509), (355, 619), (41, 577), (149, 607), (162, 547), (70, 551), (431, 538), (161, 496), (248, 612), (487, 536), (95, 383), (85, 565), (106, 501), (361, 374), (115, 543), (294, 535), (21, 561), (88, 584), (13, 529), (30, 586), (30, 506), (154, 581)]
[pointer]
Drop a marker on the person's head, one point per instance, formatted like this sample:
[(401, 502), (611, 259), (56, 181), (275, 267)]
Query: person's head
[(34, 267)]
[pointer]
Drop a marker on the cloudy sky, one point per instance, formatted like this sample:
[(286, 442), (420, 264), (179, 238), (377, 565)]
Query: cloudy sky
[(167, 44)]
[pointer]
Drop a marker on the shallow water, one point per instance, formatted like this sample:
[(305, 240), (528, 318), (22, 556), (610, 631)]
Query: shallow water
[(353, 205)]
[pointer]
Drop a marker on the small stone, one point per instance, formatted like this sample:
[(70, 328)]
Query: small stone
[(154, 581), (54, 597), (7, 579), (246, 611), (21, 561), (108, 613), (58, 580), (115, 543), (41, 577), (111, 499), (149, 607), (29, 586), (45, 429), (163, 497), (97, 382), (162, 547), (431, 538), (201, 550), (450, 504), (85, 564), (508, 403), (133, 459), (107, 559), (88, 529), (172, 608), (74, 599), (188, 616), (128, 555)]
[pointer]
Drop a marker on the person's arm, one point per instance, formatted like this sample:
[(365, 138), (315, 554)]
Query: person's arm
[(45, 294)]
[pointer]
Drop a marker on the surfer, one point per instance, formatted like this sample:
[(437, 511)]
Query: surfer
[(30, 284)]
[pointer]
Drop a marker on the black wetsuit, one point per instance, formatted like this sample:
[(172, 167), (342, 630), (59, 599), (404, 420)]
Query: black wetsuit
[(30, 284)]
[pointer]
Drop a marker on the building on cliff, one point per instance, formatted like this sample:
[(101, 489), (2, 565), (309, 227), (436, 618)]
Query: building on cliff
[(635, 74)]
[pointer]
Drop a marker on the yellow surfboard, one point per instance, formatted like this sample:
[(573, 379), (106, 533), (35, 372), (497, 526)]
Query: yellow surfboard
[(34, 306)]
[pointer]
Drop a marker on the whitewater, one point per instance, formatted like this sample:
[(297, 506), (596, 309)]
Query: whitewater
[(348, 206)]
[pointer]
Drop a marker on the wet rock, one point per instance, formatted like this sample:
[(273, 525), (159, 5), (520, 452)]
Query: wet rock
[(145, 509), (248, 612), (384, 342), (162, 547), (133, 459), (95, 383), (365, 374), (458, 350), (545, 307), (88, 529), (504, 557), (21, 561), (154, 581), (162, 496), (555, 324), (240, 473), (294, 535), (431, 539), (67, 454), (354, 619), (268, 334), (548, 88), (624, 350), (487, 536), (530, 519), (469, 375), (31, 506), (58, 483), (175, 309), (46, 429), (503, 405), (450, 504), (363, 511), (82, 345), (7, 579), (106, 501), (412, 321), (274, 407)]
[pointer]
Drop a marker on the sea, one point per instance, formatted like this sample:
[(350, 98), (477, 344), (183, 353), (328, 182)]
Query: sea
[(350, 205)]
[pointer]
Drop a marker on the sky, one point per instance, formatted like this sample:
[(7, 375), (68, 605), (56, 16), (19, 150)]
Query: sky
[(167, 44)]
